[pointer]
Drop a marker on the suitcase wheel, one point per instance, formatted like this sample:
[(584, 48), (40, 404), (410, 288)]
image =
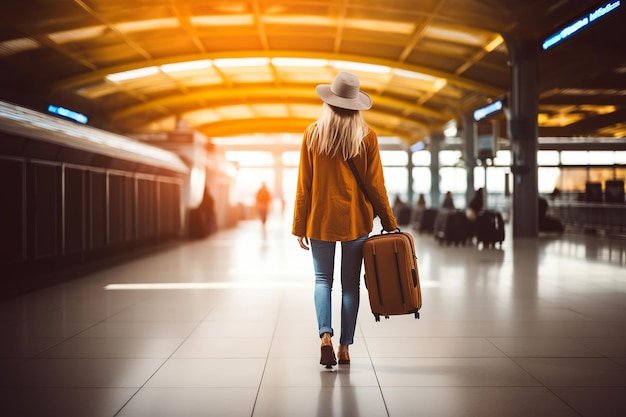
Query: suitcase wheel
[(377, 317)]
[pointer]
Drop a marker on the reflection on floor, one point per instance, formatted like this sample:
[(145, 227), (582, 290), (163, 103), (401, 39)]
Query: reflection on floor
[(537, 328)]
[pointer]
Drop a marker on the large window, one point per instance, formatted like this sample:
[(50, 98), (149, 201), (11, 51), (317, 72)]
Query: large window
[(396, 182), (450, 158), (394, 158), (421, 183), (421, 158), (567, 170), (548, 158), (548, 179), (452, 179)]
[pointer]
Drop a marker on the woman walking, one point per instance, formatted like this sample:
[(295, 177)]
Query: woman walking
[(331, 208)]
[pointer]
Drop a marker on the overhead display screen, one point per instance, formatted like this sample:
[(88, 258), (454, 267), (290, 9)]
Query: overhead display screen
[(581, 23), (488, 110), (70, 114)]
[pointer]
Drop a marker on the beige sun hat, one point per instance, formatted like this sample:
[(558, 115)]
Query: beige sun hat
[(344, 93)]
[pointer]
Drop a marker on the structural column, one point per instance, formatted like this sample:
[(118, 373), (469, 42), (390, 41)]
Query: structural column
[(278, 176), (523, 132), (436, 138), (409, 167), (469, 154)]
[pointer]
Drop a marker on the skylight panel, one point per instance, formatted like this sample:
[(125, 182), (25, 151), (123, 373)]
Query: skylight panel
[(240, 62), (186, 66), (144, 25), (133, 74), (14, 46), (299, 62), (223, 20), (236, 112), (306, 20), (453, 35), (76, 35), (386, 26), (414, 75), (362, 67)]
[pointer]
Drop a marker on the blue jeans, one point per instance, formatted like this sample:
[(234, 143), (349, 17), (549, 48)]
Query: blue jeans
[(324, 265)]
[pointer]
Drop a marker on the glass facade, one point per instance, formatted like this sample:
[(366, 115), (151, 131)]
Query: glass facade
[(568, 171)]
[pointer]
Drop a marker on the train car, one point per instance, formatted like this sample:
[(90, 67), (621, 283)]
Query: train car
[(74, 196)]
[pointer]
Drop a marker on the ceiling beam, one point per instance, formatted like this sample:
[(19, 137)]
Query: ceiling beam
[(587, 126), (458, 80), (286, 95), (238, 127)]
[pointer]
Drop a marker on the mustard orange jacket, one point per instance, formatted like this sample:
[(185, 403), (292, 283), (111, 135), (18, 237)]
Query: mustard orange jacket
[(329, 203)]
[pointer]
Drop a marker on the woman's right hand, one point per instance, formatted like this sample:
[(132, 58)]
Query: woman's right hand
[(303, 241)]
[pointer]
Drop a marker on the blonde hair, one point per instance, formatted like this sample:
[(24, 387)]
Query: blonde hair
[(338, 130)]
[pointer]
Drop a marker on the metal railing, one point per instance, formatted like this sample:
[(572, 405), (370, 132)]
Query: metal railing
[(607, 218)]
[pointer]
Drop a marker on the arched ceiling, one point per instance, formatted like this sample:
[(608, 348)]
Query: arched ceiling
[(239, 67)]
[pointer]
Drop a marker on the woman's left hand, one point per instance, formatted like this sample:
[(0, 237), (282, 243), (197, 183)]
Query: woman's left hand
[(303, 241)]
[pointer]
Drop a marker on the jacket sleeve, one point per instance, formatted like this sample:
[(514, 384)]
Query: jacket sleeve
[(302, 204), (375, 184)]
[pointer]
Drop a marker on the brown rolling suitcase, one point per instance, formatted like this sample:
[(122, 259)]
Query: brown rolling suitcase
[(391, 274)]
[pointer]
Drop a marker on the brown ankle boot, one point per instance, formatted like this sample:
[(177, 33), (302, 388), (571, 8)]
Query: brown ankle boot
[(343, 355), (328, 354)]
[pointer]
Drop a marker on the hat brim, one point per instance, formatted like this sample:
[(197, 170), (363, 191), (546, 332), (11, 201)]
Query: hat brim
[(362, 102)]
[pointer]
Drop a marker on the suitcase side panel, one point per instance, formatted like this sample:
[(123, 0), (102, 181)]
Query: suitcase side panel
[(490, 227), (391, 274), (427, 221), (452, 226)]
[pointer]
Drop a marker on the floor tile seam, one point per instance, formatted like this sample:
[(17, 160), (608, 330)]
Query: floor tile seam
[(552, 391), (64, 387), (505, 356), (589, 387), (527, 372), (491, 342), (138, 389), (162, 364), (77, 335), (105, 319), (267, 356), (40, 314), (609, 359), (59, 287), (454, 386), (421, 338), (369, 356), (437, 357), (596, 353), (515, 360), (615, 360)]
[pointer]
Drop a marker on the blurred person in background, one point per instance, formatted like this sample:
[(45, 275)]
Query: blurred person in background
[(263, 200)]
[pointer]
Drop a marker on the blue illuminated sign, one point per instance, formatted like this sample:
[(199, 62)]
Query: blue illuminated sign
[(416, 147), (70, 114), (581, 23), (487, 110)]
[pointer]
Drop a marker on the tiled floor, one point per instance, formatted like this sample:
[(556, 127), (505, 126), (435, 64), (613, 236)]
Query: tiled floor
[(537, 328)]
